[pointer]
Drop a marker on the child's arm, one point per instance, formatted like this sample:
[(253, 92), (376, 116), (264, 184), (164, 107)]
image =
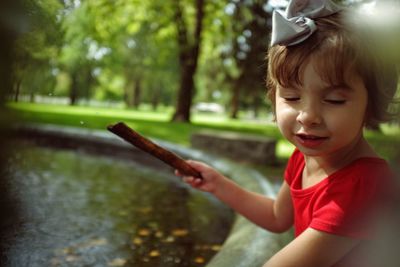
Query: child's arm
[(274, 215), (312, 249)]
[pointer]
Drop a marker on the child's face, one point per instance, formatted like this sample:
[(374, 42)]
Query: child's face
[(319, 118)]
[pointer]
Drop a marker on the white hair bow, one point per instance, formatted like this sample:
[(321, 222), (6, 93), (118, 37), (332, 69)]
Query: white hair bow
[(296, 24)]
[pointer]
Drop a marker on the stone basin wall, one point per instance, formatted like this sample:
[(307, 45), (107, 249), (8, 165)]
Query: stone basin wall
[(239, 147)]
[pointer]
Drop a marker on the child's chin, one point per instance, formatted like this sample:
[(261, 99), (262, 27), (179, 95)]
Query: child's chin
[(311, 152)]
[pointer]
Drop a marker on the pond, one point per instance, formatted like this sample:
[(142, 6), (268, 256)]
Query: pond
[(80, 209)]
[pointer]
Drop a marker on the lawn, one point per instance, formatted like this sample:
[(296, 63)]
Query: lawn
[(156, 124)]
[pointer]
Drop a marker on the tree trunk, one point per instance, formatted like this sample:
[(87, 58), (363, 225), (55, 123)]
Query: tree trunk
[(17, 90), (136, 94), (73, 92), (126, 95), (185, 96), (188, 58), (32, 97), (88, 83), (235, 101), (256, 106), (155, 99)]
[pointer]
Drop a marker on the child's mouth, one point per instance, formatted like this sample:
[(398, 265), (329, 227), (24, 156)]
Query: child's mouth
[(310, 140), (310, 137)]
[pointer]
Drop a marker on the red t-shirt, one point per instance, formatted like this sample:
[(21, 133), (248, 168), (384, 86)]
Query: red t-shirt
[(344, 202)]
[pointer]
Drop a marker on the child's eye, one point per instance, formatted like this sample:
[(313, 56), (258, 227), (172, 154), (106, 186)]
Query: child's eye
[(291, 99), (335, 102)]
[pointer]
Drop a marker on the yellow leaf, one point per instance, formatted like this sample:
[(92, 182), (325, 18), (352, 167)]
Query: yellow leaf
[(154, 253), (216, 247), (117, 262), (144, 232), (137, 241), (159, 234), (199, 260), (180, 232), (71, 258), (169, 239), (67, 250)]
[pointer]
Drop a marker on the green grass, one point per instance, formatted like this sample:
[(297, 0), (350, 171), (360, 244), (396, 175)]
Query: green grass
[(149, 123), (156, 124)]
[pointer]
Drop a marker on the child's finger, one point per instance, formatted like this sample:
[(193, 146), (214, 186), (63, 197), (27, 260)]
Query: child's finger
[(197, 181), (196, 164), (193, 181), (188, 179)]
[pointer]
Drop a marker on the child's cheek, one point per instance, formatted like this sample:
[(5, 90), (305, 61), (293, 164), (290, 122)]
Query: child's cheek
[(285, 119), (285, 112)]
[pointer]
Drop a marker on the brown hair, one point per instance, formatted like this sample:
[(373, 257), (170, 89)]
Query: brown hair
[(338, 52)]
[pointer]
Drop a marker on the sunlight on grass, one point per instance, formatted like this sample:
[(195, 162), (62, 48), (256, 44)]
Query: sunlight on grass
[(391, 129), (82, 110)]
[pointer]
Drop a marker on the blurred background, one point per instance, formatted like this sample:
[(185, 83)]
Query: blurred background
[(200, 62), (205, 56)]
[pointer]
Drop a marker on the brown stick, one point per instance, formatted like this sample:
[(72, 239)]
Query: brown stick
[(129, 135)]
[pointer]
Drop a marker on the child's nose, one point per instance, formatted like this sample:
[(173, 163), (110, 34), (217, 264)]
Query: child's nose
[(309, 116)]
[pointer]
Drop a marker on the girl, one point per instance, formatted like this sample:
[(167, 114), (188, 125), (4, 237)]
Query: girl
[(325, 85)]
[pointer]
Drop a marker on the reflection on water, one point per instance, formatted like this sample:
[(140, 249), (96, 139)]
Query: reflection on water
[(82, 210)]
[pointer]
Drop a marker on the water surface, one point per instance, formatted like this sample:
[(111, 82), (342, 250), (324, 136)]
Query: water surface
[(85, 210)]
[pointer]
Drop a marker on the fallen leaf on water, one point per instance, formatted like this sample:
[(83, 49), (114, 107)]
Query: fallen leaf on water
[(67, 250), (154, 253), (117, 262), (137, 241), (180, 232), (199, 260), (144, 232), (159, 234), (93, 243), (216, 247), (71, 258), (169, 239)]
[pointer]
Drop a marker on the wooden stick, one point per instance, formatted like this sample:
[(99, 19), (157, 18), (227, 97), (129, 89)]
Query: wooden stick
[(129, 135)]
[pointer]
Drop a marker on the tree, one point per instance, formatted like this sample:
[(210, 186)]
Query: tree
[(189, 49), (78, 54), (249, 45), (36, 48), (141, 57)]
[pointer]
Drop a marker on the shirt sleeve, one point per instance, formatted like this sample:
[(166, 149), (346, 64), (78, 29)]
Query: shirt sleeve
[(347, 206), (292, 166)]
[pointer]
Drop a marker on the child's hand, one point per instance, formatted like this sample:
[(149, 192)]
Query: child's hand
[(211, 177)]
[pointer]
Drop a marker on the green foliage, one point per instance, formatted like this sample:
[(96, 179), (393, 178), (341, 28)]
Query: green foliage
[(87, 42), (37, 47), (128, 51)]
